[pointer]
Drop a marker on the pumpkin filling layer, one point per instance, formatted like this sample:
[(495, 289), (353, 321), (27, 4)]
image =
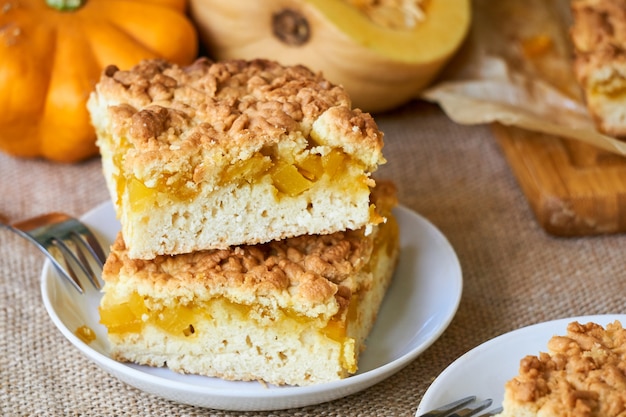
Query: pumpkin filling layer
[(183, 319), (205, 319), (289, 175)]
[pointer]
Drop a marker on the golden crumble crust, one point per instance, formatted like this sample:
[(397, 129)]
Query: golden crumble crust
[(196, 117), (584, 375), (308, 265)]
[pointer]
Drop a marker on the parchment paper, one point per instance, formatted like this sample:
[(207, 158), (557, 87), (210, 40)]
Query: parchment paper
[(516, 68)]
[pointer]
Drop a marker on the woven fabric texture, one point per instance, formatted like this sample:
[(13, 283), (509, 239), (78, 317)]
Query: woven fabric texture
[(455, 176)]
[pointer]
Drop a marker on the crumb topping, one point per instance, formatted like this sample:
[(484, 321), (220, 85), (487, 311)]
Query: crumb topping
[(308, 269), (584, 375), (215, 113)]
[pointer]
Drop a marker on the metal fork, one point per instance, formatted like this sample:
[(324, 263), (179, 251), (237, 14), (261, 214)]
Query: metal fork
[(68, 243), (465, 407)]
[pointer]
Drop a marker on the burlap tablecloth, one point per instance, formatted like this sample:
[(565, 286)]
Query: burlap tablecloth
[(455, 176)]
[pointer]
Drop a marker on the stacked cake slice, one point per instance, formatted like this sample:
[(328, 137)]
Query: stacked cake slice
[(254, 245)]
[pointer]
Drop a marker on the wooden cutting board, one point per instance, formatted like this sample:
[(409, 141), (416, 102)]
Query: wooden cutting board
[(574, 189)]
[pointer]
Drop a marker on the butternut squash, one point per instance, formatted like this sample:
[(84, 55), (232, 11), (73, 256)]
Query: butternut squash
[(384, 52)]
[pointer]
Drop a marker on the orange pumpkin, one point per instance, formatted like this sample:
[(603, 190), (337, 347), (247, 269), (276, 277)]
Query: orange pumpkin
[(52, 53)]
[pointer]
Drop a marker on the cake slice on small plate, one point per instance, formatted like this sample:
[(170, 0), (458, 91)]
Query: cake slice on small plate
[(583, 374)]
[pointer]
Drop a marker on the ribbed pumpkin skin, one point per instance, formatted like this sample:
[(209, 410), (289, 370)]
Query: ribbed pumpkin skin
[(50, 61)]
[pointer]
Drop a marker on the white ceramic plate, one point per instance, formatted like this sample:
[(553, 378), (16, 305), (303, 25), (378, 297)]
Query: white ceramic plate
[(418, 307), (484, 370)]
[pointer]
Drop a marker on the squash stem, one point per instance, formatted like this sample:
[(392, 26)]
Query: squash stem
[(66, 5), (291, 27)]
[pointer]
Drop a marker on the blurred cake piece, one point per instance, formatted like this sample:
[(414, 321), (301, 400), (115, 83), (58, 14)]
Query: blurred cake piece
[(239, 152), (599, 39)]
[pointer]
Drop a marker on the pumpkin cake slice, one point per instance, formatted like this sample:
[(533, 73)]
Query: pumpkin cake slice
[(237, 152), (583, 374), (295, 311)]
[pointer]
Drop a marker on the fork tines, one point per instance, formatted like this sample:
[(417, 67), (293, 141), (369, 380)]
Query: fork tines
[(464, 407), (68, 243), (75, 249)]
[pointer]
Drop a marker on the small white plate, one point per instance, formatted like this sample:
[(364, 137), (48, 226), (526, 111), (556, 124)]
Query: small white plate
[(419, 305), (484, 370)]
